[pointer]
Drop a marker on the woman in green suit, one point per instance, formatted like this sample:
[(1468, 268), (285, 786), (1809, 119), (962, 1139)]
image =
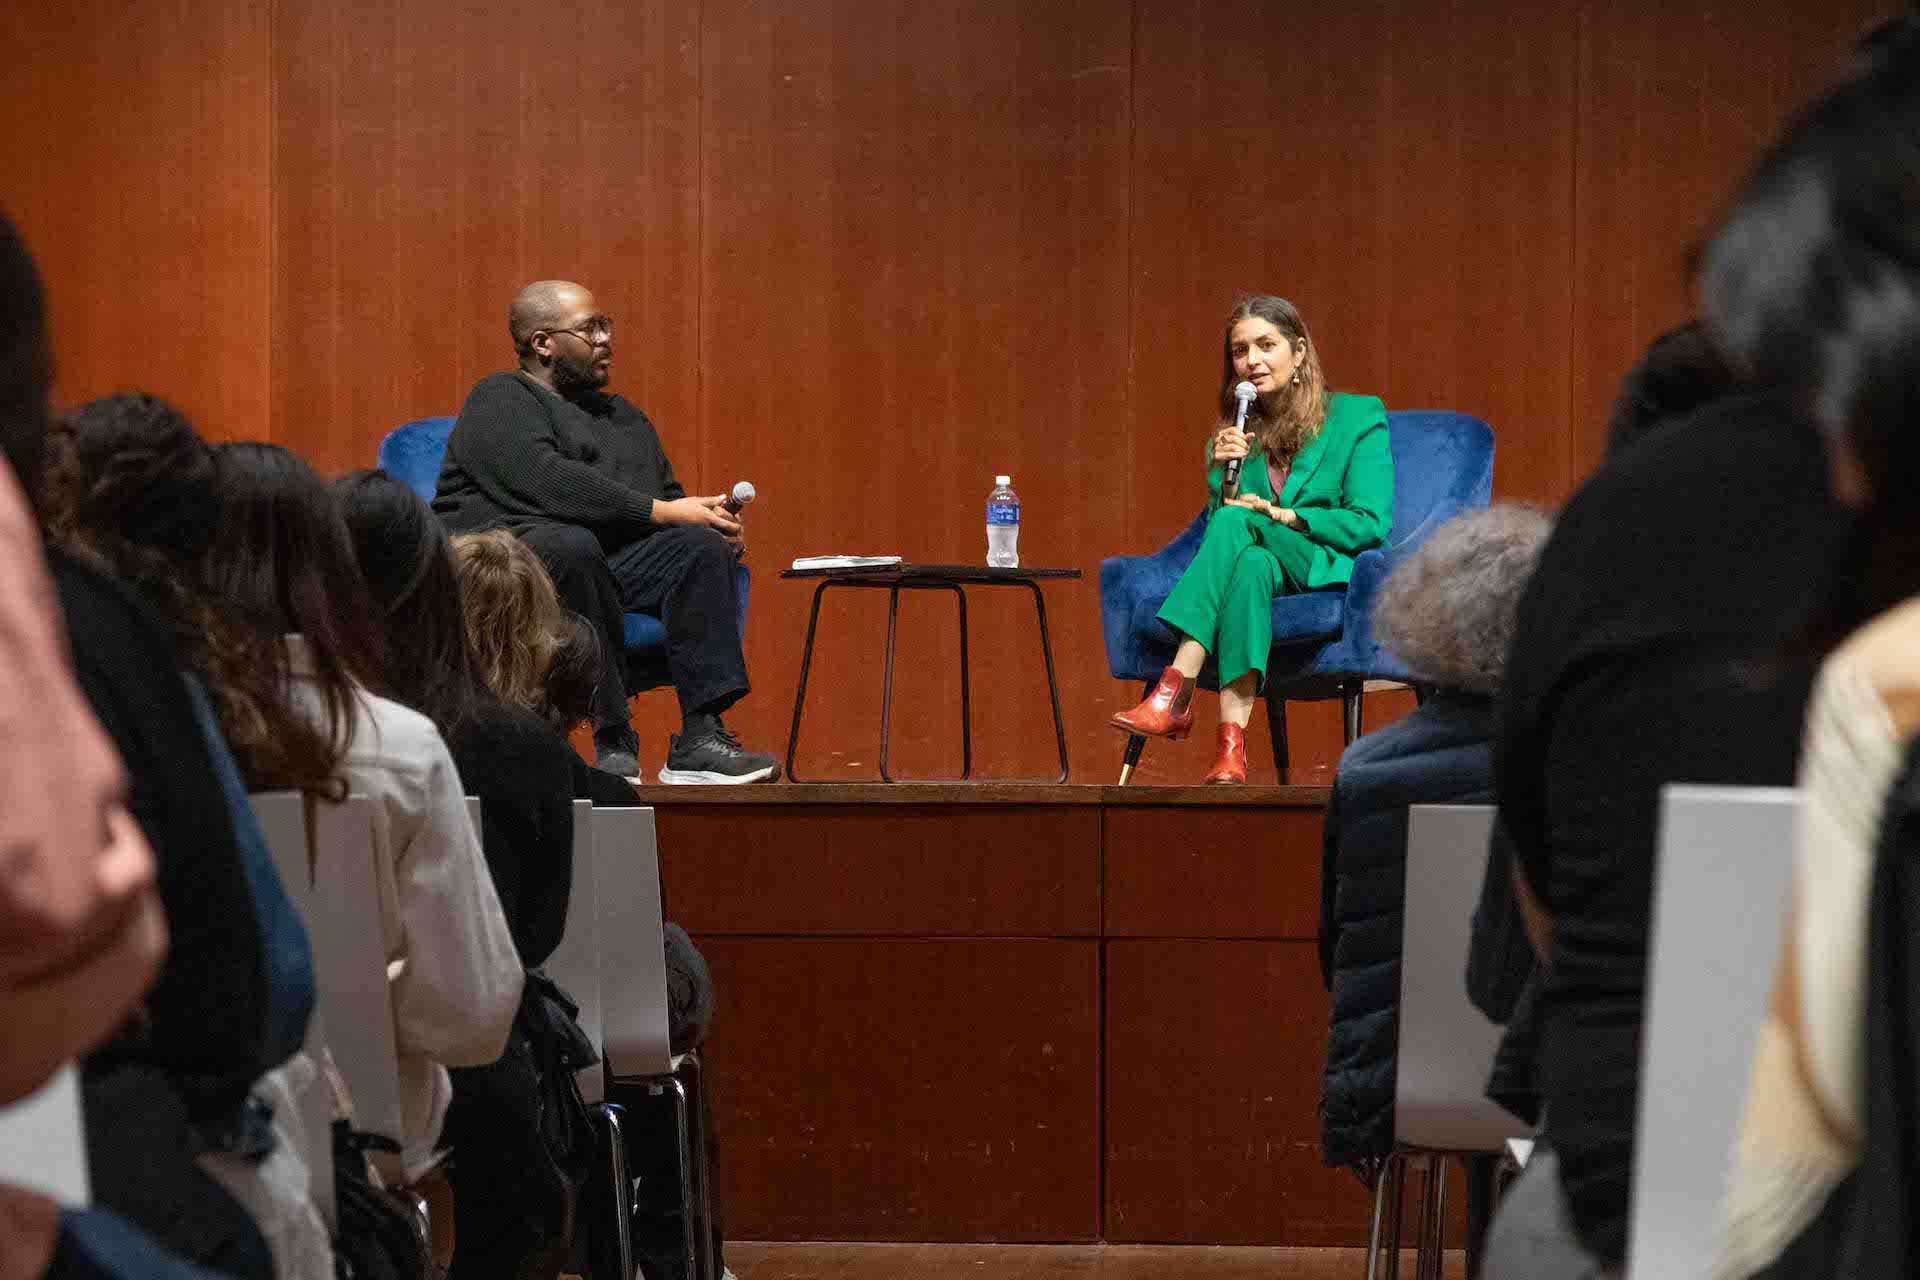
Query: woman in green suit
[(1315, 490)]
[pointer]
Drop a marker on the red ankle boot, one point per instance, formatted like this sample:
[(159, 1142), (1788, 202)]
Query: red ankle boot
[(1231, 767), (1167, 712)]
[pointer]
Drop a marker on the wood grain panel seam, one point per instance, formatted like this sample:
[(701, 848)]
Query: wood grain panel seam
[(1582, 34)]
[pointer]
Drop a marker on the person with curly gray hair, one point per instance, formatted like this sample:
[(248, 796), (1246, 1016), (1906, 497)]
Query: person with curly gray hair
[(1448, 612)]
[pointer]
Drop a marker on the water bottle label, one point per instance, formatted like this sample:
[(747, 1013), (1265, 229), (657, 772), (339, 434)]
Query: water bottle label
[(1003, 513)]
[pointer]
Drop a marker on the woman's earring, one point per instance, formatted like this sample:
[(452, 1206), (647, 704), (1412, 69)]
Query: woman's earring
[(1296, 379)]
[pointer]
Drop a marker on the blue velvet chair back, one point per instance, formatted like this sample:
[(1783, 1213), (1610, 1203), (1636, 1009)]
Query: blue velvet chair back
[(411, 454), (1442, 463)]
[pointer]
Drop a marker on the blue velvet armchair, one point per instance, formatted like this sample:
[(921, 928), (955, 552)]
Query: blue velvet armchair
[(412, 455), (1323, 641)]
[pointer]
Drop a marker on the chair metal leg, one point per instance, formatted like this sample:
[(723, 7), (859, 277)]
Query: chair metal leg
[(1433, 1221), (1381, 1194), (1136, 743), (703, 1171), (1277, 731), (800, 694), (683, 1130), (1396, 1215), (615, 1255), (1350, 696)]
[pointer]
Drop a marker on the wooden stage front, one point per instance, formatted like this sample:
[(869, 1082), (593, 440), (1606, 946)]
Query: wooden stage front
[(998, 1012)]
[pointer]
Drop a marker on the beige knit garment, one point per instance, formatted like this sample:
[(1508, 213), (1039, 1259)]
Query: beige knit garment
[(1799, 1134)]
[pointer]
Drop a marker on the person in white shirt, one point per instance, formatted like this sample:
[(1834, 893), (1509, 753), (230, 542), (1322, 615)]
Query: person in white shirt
[(456, 979)]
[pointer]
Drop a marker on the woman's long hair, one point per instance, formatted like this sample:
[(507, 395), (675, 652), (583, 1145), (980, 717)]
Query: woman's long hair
[(281, 563), (1813, 280), (407, 561), (512, 614), (1302, 405), (133, 490)]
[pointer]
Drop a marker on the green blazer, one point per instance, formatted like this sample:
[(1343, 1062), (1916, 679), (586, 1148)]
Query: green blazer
[(1341, 485)]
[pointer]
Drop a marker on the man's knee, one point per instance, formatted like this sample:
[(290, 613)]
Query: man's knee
[(564, 546), (707, 550)]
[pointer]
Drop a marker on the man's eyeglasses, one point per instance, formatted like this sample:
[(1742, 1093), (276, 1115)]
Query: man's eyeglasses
[(593, 332)]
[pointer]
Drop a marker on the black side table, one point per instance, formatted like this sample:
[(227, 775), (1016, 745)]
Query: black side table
[(928, 577)]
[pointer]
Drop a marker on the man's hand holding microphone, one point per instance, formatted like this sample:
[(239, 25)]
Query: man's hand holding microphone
[(722, 512)]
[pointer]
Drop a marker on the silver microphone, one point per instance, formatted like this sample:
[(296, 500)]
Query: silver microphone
[(742, 494), (1230, 474)]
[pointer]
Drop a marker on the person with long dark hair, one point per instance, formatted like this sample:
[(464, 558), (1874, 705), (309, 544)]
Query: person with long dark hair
[(510, 1197), (234, 1008), (283, 564), (1814, 279), (1315, 490)]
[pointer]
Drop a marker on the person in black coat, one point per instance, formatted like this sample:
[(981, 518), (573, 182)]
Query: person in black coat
[(1648, 651), (1448, 613), (1815, 277)]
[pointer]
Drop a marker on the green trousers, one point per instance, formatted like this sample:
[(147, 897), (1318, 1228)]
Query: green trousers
[(1225, 598)]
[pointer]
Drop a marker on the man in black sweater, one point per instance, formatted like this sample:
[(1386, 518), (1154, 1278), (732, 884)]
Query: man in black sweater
[(578, 474)]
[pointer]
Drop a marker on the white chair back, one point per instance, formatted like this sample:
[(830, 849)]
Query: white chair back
[(335, 889), (633, 966), (282, 819), (575, 963), (1446, 1045), (1720, 891), (43, 1141)]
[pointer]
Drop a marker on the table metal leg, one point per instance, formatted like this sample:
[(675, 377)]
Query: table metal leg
[(886, 688), (1053, 686), (800, 694), (966, 696)]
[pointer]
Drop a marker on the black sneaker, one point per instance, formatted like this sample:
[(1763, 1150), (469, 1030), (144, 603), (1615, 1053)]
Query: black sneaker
[(715, 757), (622, 764)]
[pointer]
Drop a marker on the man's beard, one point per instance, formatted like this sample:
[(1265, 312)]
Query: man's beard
[(574, 380)]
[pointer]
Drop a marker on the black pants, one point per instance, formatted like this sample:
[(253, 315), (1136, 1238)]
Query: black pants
[(508, 1203), (682, 575)]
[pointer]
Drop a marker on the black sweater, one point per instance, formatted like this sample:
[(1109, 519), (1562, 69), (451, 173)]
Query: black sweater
[(1645, 652), (518, 767), (521, 455)]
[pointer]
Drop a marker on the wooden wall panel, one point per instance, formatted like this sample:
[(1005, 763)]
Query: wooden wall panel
[(1675, 103), (1214, 1053), (136, 163), (430, 158), (1223, 873), (914, 273), (869, 254), (940, 870), (899, 1090)]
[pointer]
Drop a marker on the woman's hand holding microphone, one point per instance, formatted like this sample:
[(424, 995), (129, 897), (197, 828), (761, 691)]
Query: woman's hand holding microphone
[(1228, 444)]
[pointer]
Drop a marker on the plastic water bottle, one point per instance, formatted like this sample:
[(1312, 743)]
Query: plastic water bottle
[(1003, 525)]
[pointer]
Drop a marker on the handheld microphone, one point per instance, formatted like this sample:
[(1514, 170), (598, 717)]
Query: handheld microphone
[(1230, 474), (742, 494)]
